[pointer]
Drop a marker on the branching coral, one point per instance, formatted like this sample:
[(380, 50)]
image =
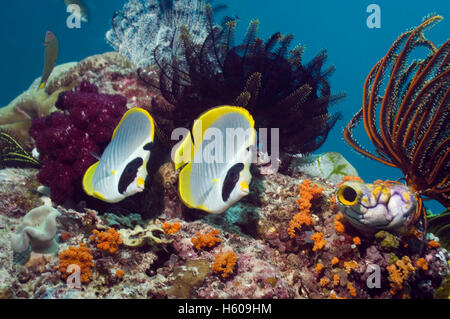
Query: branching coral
[(107, 240), (265, 77), (224, 263), (206, 240), (144, 26), (69, 141), (413, 117), (80, 256), (307, 194)]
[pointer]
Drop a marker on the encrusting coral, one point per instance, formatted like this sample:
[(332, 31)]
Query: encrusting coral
[(69, 141)]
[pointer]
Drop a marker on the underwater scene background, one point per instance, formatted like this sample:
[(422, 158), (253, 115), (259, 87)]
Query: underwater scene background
[(156, 228), (340, 28)]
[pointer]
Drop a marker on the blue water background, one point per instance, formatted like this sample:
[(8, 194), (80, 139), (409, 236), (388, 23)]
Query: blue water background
[(338, 26)]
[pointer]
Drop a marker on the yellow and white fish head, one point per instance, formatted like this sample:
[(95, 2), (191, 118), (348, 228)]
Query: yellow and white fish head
[(122, 169)]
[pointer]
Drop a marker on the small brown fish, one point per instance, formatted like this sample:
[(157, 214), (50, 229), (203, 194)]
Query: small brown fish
[(83, 9), (51, 55)]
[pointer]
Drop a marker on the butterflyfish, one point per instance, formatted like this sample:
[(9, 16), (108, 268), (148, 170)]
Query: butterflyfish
[(216, 154), (122, 168)]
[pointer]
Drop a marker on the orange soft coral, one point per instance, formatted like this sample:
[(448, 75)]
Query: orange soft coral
[(206, 240), (433, 244), (334, 261), (336, 279), (107, 240), (422, 264), (324, 281), (120, 273), (351, 289), (171, 229), (319, 241), (307, 193), (318, 268), (224, 263), (356, 240), (338, 226), (350, 265), (80, 256), (399, 272)]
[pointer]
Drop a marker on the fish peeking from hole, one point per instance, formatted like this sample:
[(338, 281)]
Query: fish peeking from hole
[(122, 169), (216, 154), (380, 206)]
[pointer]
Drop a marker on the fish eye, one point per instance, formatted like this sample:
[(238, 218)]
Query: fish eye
[(347, 195)]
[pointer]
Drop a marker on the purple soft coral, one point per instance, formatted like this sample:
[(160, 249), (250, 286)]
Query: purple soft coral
[(67, 140)]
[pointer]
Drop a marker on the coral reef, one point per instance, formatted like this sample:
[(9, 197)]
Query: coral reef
[(268, 263), (38, 230), (413, 114), (68, 142)]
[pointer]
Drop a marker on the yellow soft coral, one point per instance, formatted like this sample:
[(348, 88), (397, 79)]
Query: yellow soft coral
[(206, 240), (224, 263), (307, 193), (107, 240), (80, 256)]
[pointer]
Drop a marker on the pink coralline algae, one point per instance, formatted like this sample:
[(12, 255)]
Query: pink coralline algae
[(68, 141)]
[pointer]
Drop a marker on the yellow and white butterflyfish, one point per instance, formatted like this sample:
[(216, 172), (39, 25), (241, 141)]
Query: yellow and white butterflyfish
[(217, 173), (122, 168)]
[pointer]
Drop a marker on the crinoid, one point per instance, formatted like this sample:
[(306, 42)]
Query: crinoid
[(265, 77), (413, 117)]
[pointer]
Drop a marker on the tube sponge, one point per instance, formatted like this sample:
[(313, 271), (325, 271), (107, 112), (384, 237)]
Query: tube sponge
[(38, 230)]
